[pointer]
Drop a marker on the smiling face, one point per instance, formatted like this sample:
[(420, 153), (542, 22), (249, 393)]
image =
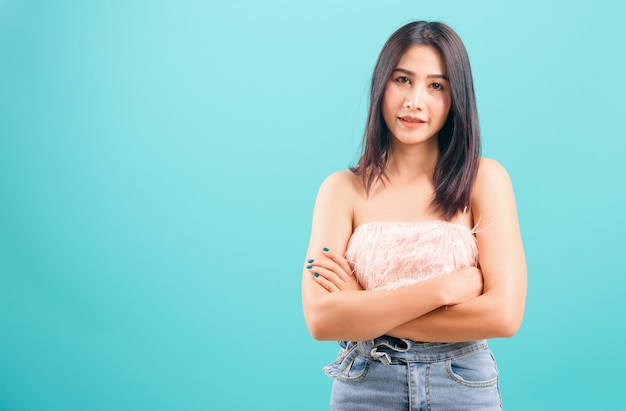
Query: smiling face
[(417, 97)]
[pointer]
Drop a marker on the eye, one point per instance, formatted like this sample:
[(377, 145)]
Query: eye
[(437, 86), (403, 80)]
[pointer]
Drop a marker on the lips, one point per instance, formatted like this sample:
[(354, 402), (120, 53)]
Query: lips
[(411, 121)]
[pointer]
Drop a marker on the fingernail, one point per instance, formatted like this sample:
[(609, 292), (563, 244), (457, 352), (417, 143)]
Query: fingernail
[(310, 261), (325, 249), (316, 275), (308, 267)]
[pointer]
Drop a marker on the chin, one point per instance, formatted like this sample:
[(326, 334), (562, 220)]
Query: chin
[(414, 140)]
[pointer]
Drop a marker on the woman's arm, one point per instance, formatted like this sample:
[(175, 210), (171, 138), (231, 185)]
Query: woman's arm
[(499, 310), (355, 314)]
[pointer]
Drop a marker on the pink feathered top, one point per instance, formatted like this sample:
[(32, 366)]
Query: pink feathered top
[(387, 255)]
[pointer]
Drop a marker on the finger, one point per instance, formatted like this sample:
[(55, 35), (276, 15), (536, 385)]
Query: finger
[(328, 285), (330, 265), (342, 282), (339, 259), (333, 272), (329, 275), (334, 262)]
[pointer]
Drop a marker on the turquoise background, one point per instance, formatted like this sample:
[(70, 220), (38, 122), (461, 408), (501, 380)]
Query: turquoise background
[(158, 167)]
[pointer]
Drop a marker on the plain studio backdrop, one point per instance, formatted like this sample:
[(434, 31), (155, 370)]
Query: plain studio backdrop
[(159, 162)]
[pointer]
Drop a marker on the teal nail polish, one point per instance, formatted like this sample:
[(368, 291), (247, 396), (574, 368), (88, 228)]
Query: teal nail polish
[(308, 267), (325, 249), (310, 261), (316, 275)]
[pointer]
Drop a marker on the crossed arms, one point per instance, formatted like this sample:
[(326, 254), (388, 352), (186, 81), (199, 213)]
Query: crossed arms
[(464, 305)]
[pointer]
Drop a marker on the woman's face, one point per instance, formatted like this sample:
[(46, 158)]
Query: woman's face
[(417, 97)]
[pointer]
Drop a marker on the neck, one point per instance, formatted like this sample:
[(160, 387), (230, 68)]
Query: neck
[(409, 162)]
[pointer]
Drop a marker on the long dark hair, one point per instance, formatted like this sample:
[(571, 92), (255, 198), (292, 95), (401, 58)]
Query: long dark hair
[(459, 138)]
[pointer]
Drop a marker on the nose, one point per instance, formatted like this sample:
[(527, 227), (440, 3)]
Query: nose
[(415, 98)]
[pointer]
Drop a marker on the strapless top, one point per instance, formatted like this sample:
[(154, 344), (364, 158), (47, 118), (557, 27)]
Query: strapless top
[(387, 255)]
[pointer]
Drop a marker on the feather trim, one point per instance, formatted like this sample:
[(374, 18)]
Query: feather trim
[(387, 255)]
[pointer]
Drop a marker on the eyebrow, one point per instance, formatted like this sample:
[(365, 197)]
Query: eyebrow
[(410, 73)]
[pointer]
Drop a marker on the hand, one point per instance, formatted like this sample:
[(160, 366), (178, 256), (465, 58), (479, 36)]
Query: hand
[(333, 272), (463, 285)]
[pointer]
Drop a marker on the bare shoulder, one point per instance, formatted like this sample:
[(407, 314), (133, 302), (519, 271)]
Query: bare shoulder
[(333, 212), (341, 184), (491, 178), (492, 196)]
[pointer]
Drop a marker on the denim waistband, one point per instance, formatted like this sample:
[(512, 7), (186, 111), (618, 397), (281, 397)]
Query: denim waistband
[(390, 350)]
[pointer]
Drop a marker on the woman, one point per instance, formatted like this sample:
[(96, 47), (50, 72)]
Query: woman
[(415, 256)]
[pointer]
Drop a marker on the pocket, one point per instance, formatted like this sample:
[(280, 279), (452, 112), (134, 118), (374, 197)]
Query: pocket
[(476, 369), (349, 365)]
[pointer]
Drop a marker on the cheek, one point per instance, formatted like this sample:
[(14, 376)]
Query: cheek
[(391, 92), (443, 105), (390, 99)]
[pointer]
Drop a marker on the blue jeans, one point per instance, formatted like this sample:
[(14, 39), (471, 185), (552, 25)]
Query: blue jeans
[(396, 374)]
